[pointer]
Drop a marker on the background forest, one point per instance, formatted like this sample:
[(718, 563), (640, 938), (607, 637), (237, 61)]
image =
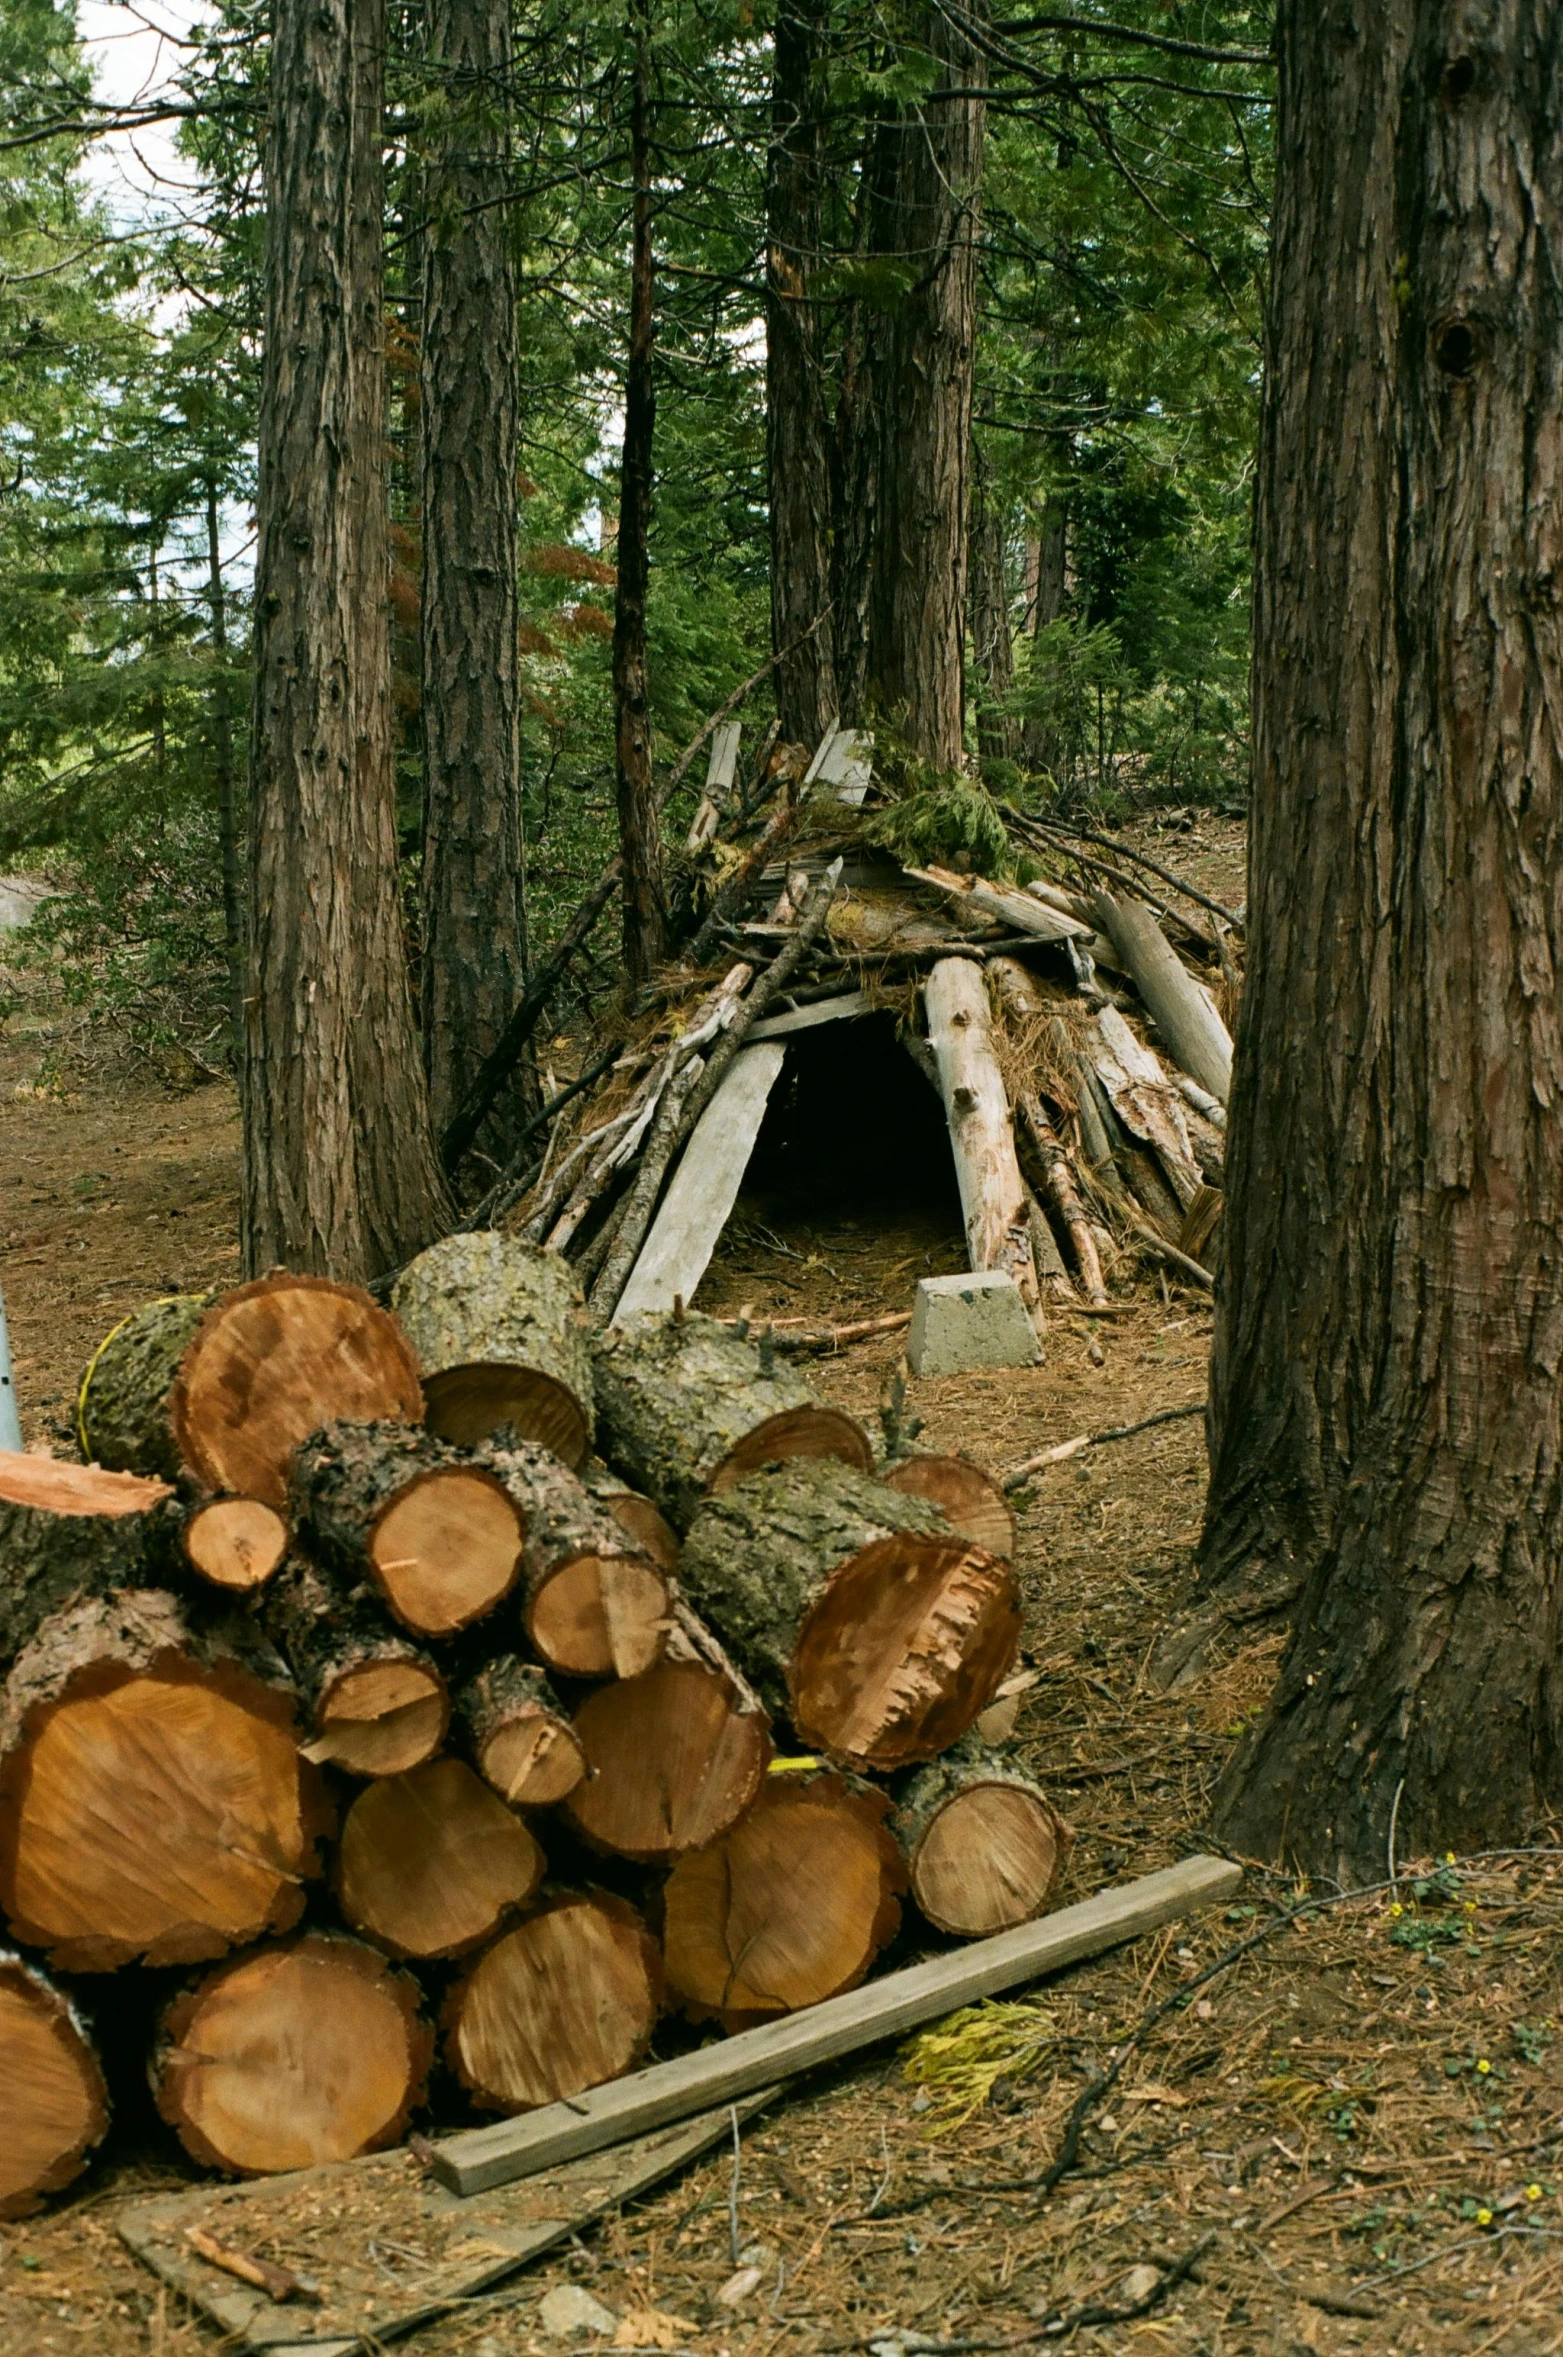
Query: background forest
[(1122, 231)]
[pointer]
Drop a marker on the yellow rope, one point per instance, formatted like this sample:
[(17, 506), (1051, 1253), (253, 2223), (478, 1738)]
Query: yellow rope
[(92, 1366), (795, 1767)]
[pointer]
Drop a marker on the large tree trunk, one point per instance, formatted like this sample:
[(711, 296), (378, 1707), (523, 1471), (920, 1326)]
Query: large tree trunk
[(474, 917), (640, 843), (923, 370), (795, 423), (987, 599), (1385, 1426), (340, 1174)]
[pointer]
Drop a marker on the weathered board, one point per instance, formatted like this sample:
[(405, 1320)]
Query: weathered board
[(705, 1186), (823, 1010)]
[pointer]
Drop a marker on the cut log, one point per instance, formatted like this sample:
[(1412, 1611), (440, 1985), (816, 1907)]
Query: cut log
[(567, 1999), (983, 1844), (518, 1735), (274, 1361), (152, 1802), (235, 1543), (648, 1527), (432, 1862), (790, 1907), (501, 1336), (677, 1252), (596, 1607), (673, 1759), (72, 1531), (690, 1406), (1006, 904), (1196, 1037), (55, 2097), (376, 1703), (970, 1500), (304, 2053), (853, 1610), (1022, 1001), (993, 1195), (439, 1536), (122, 1405)]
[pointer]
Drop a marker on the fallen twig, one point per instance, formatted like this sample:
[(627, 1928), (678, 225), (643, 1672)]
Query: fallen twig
[(278, 2283), (1063, 1450)]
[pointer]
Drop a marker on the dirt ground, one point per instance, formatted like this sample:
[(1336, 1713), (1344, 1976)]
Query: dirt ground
[(1339, 2129)]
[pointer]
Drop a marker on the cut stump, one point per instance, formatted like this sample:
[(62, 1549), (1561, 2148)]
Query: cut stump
[(301, 2053), (673, 1759), (567, 1999), (983, 1844), (438, 1536), (596, 1607), (56, 2100), (500, 1331), (518, 1736), (432, 1862)]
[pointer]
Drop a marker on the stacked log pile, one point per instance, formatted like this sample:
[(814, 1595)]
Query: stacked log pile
[(485, 1757)]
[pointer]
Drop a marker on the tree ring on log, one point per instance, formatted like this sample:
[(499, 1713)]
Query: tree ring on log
[(275, 1360), (600, 1616), (432, 1861), (56, 2100), (796, 1432), (467, 1404), (985, 1847), (236, 1543), (307, 2052), (565, 2001), (970, 1500), (446, 1548), (380, 1718), (672, 1761), (906, 1646)]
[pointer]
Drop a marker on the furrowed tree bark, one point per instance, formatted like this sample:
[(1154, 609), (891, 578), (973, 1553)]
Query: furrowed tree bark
[(439, 1537), (595, 1605), (567, 1999), (987, 599), (1385, 1421), (339, 1171), (432, 1861), (502, 1337), (923, 364), (674, 1757), (55, 2095), (474, 912), (795, 422), (640, 841)]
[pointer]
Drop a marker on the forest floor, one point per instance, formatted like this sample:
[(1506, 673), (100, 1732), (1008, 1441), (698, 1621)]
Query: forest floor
[(1351, 2134)]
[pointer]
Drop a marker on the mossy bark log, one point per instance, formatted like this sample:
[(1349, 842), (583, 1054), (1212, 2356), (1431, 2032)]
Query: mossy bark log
[(501, 1335), (983, 1844), (122, 1403), (57, 2102), (853, 1609), (517, 1736), (689, 1406), (439, 1536), (376, 1702), (595, 1606), (68, 1532)]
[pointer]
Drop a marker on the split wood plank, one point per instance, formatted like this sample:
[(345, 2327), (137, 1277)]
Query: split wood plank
[(485, 2157), (387, 2199), (824, 1010), (720, 772), (705, 1186)]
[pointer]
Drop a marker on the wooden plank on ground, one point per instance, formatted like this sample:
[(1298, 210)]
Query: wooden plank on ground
[(824, 1010), (486, 2157), (389, 2249), (705, 1186)]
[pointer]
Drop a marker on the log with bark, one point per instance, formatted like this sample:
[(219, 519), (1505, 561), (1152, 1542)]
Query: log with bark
[(274, 1361), (789, 1907), (501, 1337), (439, 1536), (1024, 1004), (55, 2096), (303, 2052), (432, 1862), (1144, 1100), (235, 1543), (854, 1610), (153, 1803), (983, 1844), (993, 1195), (122, 1403), (376, 1702), (72, 1531), (565, 2000), (639, 1516), (514, 1726), (674, 1757), (970, 1500), (1183, 1013), (689, 1406), (594, 1605)]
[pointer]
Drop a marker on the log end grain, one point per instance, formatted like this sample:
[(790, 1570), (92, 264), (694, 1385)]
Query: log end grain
[(446, 1549), (983, 1843), (673, 1760), (299, 2054), (600, 1616), (431, 1862), (272, 1362), (380, 1718), (235, 1543), (56, 2100), (519, 1739), (643, 1522), (468, 1404), (970, 1500), (566, 2000)]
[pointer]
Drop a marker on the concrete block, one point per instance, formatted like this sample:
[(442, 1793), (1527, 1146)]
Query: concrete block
[(959, 1323)]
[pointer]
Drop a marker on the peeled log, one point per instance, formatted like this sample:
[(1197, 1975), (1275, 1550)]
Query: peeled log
[(73, 1531), (377, 1704), (501, 1334), (438, 1536), (299, 2054), (640, 1517), (235, 1543), (56, 2102), (122, 1405), (152, 1801), (567, 1999), (271, 1363), (1195, 1036), (518, 1736), (688, 1406), (596, 1607), (983, 1844), (432, 1862), (673, 1759), (853, 1610), (790, 1907), (970, 1500), (982, 1138)]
